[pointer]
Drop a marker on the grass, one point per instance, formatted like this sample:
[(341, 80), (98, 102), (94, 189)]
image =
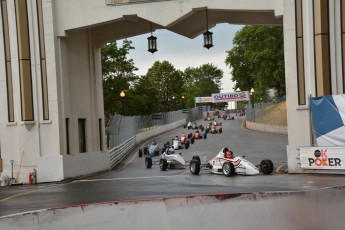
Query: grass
[(274, 114)]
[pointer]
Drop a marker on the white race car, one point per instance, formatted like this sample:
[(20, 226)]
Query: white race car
[(230, 166), (169, 159)]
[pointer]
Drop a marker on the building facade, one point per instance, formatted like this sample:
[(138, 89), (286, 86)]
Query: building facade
[(51, 99)]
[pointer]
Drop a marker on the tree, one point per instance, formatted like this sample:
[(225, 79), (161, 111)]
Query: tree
[(202, 81), (160, 90), (118, 74), (257, 60)]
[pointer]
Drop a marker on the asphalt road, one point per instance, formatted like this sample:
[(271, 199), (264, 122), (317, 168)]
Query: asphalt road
[(132, 181)]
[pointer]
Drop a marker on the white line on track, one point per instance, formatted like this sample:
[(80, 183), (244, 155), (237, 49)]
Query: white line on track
[(129, 178)]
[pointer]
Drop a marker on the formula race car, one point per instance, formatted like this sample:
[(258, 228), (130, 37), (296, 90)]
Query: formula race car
[(198, 135), (179, 143), (192, 125), (224, 163), (151, 150), (169, 159)]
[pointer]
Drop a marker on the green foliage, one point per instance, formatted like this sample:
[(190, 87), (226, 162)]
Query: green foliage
[(201, 82), (118, 73), (257, 60), (162, 89)]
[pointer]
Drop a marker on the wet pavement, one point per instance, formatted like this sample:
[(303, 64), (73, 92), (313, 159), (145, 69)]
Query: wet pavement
[(132, 181)]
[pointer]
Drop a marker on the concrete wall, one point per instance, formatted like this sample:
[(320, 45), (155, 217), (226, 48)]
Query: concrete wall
[(159, 130), (267, 128), (323, 209)]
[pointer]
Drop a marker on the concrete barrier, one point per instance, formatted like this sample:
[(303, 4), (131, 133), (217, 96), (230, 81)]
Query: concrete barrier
[(322, 209), (159, 130), (267, 128)]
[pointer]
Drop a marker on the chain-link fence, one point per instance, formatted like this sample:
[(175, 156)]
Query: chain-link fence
[(266, 113), (122, 128)]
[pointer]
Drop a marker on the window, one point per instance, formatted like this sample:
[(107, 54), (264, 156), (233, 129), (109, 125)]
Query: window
[(82, 135)]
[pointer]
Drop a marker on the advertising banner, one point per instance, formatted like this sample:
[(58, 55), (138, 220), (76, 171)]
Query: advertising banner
[(203, 99), (322, 157), (328, 117), (227, 97)]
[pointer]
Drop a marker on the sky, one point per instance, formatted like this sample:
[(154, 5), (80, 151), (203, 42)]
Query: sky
[(183, 52)]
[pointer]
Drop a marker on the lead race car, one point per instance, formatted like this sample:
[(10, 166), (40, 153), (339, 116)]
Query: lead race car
[(169, 159), (224, 163)]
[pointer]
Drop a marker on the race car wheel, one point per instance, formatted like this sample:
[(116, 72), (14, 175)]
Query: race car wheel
[(163, 164), (148, 162), (197, 158), (190, 136), (228, 169), (192, 140), (140, 153), (205, 135), (163, 150), (186, 145), (194, 167), (146, 151), (220, 130), (266, 167)]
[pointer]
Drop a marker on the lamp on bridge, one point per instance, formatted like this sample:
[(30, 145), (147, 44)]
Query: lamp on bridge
[(207, 35), (152, 42), (122, 95)]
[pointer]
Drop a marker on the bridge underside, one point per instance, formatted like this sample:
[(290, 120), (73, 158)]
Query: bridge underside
[(190, 25)]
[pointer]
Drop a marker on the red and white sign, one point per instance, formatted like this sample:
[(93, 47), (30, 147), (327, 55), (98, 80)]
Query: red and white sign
[(227, 97), (322, 158), (203, 99)]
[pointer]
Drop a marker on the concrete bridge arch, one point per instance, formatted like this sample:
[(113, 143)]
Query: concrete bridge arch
[(51, 82)]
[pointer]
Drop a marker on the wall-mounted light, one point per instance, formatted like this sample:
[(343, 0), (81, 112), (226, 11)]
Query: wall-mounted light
[(152, 43), (208, 41)]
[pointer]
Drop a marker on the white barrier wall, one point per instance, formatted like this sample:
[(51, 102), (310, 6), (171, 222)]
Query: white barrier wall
[(159, 130), (323, 209)]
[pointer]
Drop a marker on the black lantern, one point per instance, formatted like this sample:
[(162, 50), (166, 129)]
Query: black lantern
[(208, 41), (152, 43)]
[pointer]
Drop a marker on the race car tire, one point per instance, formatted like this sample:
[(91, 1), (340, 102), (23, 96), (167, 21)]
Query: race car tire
[(192, 139), (163, 150), (148, 162), (163, 164), (266, 166), (146, 151), (196, 158), (228, 169), (220, 130), (205, 135), (186, 145), (140, 153), (194, 167), (190, 135)]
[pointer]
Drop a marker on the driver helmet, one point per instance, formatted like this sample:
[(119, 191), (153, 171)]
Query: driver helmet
[(154, 142), (171, 151), (225, 149), (229, 154)]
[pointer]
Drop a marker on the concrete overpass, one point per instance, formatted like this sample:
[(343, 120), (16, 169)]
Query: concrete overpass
[(51, 81)]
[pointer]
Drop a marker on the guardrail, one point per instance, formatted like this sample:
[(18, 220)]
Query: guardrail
[(117, 154)]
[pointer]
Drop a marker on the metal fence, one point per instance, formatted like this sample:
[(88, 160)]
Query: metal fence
[(122, 128), (267, 116)]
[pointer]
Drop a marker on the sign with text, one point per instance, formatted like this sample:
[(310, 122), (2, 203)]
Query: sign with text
[(322, 157), (227, 97), (203, 99)]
